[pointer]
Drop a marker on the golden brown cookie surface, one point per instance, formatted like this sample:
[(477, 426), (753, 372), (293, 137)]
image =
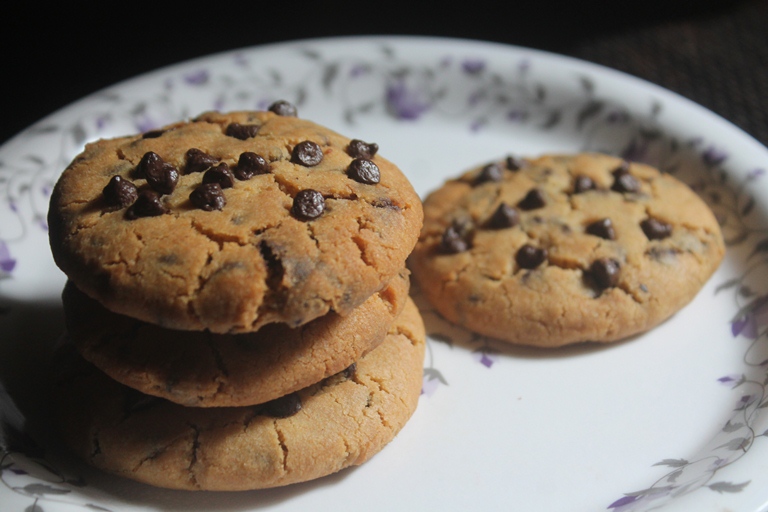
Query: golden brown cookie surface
[(342, 421), (564, 248), (202, 369), (231, 221)]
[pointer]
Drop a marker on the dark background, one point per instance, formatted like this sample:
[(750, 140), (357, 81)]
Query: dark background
[(715, 52)]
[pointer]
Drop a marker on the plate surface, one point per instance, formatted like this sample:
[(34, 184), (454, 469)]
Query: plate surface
[(675, 419)]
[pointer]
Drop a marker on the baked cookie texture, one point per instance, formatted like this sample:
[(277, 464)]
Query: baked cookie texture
[(203, 369), (521, 250), (343, 421), (151, 230)]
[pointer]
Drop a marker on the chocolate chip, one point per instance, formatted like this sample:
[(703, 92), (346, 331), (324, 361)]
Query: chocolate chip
[(250, 164), (530, 257), (533, 199), (452, 242), (623, 181), (120, 192), (198, 161), (208, 197), (582, 184), (491, 172), (307, 153), (514, 164), (242, 131), (308, 204), (359, 149), (602, 228), (283, 108), (655, 229), (149, 160), (147, 204), (162, 177), (504, 217), (220, 174), (152, 134), (605, 272), (364, 171), (282, 407)]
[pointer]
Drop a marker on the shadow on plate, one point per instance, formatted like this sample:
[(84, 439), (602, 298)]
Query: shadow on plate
[(34, 466)]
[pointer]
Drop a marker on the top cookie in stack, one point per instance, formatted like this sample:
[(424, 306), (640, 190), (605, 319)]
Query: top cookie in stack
[(232, 221)]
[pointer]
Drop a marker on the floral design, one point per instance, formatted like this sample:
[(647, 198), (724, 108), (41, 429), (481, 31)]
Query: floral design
[(467, 89), (7, 262)]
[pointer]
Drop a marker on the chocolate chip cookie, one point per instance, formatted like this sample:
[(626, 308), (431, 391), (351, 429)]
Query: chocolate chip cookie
[(341, 421), (564, 248), (202, 369), (231, 221)]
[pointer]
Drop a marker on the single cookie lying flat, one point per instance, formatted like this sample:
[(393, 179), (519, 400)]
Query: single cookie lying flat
[(564, 248), (340, 422), (232, 221), (201, 369)]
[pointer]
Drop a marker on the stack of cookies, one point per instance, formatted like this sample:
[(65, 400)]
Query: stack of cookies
[(237, 302)]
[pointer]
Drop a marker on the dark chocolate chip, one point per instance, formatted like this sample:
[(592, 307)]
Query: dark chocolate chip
[(605, 272), (359, 149), (514, 163), (198, 161), (530, 257), (162, 178), (623, 181), (147, 204), (282, 407), (152, 134), (533, 199), (364, 171), (308, 204), (208, 197), (453, 240), (220, 174), (655, 229), (491, 172), (150, 160), (120, 192), (283, 108), (307, 153), (242, 131), (582, 184), (602, 228), (250, 164), (504, 217)]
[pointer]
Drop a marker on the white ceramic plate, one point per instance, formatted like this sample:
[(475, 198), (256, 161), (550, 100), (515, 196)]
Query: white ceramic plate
[(675, 419)]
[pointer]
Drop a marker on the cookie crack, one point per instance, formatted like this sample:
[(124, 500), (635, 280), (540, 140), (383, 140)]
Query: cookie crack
[(193, 454), (95, 445), (407, 334), (217, 358), (623, 287), (218, 238), (277, 294), (223, 371), (361, 243), (312, 235), (283, 446)]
